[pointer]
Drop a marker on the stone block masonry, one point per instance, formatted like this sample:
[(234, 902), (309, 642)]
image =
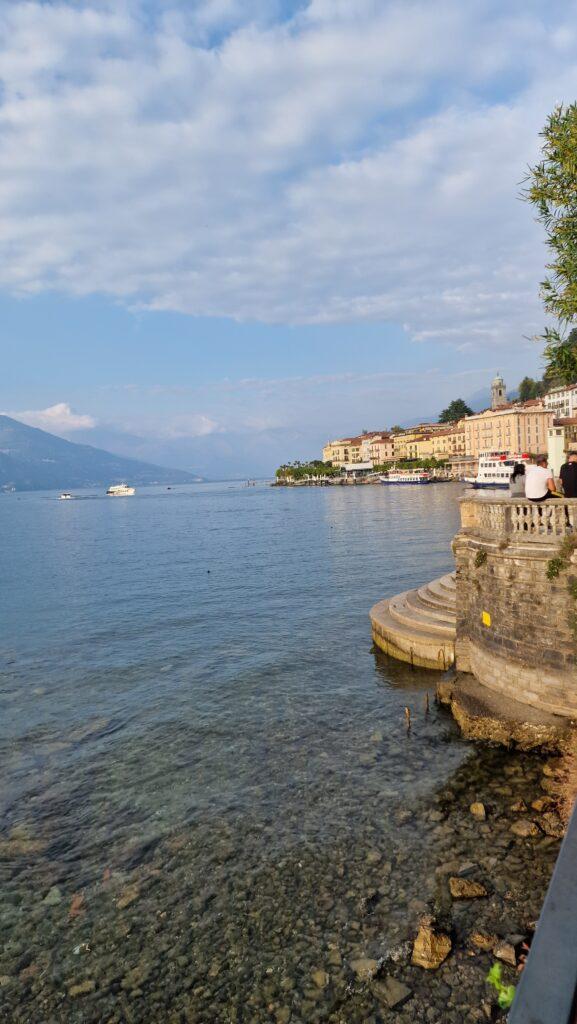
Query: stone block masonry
[(515, 626)]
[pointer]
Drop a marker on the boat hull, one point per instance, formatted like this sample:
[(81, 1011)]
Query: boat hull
[(404, 483), (487, 486)]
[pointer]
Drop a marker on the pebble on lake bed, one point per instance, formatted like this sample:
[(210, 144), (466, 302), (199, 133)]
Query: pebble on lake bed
[(430, 947), (391, 992), (365, 968), (482, 941), (519, 807), (525, 828), (84, 988), (505, 951), (464, 889), (53, 897), (478, 811), (127, 897), (320, 978)]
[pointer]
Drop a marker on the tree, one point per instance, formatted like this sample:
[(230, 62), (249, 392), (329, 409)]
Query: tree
[(552, 190), (397, 430), (456, 410), (529, 388)]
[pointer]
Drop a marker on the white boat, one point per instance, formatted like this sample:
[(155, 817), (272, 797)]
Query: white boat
[(65, 496), (495, 469), (408, 476), (120, 490)]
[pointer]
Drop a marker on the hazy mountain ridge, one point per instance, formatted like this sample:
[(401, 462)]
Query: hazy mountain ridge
[(32, 460)]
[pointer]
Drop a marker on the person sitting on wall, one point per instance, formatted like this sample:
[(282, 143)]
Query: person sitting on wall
[(517, 481), (569, 476), (539, 482)]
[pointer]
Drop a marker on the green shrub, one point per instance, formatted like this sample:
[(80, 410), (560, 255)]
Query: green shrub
[(555, 567)]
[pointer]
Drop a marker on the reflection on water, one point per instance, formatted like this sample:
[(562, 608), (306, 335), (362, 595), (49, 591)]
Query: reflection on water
[(211, 804)]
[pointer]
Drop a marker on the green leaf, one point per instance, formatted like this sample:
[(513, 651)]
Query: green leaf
[(506, 997)]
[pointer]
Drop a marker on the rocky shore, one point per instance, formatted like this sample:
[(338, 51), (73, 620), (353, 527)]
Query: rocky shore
[(200, 927)]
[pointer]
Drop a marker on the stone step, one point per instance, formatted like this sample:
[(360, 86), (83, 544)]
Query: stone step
[(448, 582), (413, 644), (419, 632), (436, 597), (443, 613), (420, 617), (436, 588)]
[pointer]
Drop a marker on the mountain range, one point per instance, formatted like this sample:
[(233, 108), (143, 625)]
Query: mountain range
[(32, 460)]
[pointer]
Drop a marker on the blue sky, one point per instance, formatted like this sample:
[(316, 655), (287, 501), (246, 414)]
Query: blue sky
[(231, 230)]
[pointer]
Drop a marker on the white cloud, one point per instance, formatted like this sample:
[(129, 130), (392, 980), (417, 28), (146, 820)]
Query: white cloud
[(189, 425), (358, 161), (56, 419)]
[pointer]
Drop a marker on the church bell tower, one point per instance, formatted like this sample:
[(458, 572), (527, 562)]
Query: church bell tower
[(498, 393)]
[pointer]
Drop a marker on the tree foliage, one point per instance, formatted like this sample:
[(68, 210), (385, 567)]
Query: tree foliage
[(552, 190), (456, 410), (529, 388), (305, 470)]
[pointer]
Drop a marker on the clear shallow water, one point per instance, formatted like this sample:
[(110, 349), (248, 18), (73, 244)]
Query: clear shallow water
[(207, 780)]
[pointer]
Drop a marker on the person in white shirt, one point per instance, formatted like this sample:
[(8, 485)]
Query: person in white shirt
[(539, 482)]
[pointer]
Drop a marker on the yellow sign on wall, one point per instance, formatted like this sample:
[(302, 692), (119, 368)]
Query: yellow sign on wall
[(486, 618)]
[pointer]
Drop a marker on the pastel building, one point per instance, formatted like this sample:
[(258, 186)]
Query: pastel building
[(514, 428)]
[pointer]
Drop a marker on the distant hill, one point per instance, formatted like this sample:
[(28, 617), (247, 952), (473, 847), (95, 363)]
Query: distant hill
[(33, 460)]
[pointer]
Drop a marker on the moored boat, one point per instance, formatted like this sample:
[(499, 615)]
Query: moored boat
[(495, 469), (120, 490), (408, 476)]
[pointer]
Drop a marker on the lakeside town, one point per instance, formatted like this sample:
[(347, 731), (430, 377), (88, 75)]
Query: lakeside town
[(451, 450)]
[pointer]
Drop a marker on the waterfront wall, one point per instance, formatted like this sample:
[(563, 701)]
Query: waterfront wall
[(516, 626)]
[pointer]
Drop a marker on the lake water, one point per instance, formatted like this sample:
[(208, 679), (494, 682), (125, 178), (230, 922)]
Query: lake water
[(209, 796)]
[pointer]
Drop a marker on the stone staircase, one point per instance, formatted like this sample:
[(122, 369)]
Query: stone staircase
[(419, 626)]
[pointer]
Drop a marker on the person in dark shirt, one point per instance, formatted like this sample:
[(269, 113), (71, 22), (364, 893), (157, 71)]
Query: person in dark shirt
[(569, 476)]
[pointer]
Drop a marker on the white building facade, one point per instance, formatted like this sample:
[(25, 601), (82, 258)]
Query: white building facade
[(562, 401)]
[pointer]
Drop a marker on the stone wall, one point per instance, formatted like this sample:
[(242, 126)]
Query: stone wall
[(515, 627)]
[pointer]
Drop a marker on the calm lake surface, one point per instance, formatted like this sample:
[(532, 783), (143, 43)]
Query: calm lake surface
[(209, 797)]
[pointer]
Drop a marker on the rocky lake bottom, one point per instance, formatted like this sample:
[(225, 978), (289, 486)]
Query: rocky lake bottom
[(222, 921), (212, 811)]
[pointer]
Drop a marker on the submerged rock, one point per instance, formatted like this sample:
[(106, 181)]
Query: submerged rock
[(84, 988), (525, 828), (465, 889), (519, 807), (542, 803), (552, 825), (505, 951), (365, 968), (478, 811), (320, 978), (430, 947), (127, 897), (391, 992), (53, 897), (483, 941)]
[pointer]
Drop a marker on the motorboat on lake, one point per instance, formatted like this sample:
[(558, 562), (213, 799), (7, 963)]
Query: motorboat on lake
[(65, 496), (120, 490)]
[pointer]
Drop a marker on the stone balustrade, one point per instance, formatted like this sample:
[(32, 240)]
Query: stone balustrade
[(518, 518)]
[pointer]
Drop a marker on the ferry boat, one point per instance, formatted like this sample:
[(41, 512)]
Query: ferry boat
[(495, 469), (65, 496), (120, 490), (409, 476)]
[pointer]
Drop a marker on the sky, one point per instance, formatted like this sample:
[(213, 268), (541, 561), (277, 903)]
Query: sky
[(233, 229)]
